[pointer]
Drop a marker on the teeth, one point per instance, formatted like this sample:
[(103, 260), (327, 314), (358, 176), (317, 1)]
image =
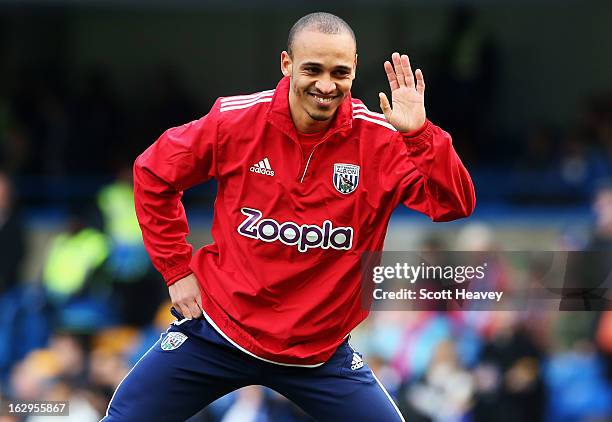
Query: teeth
[(323, 100)]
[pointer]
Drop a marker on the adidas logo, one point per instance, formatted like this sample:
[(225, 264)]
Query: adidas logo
[(263, 167), (357, 362)]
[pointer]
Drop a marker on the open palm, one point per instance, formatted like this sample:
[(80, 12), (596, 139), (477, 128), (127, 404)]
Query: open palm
[(407, 109)]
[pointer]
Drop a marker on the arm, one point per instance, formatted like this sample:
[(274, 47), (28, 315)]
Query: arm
[(182, 157), (434, 181)]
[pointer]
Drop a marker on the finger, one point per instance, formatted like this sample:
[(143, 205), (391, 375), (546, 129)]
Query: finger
[(185, 310), (384, 105), (181, 309), (420, 85), (194, 310), (407, 70), (397, 65), (185, 307), (391, 76)]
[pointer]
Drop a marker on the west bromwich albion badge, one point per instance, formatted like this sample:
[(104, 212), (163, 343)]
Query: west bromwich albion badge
[(173, 340), (345, 178)]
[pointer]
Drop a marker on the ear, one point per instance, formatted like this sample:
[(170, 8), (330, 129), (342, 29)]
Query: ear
[(355, 66), (286, 64)]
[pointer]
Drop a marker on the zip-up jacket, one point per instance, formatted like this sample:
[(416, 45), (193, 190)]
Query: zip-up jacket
[(281, 280)]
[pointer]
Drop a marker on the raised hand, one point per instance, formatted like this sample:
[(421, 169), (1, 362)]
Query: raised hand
[(407, 109)]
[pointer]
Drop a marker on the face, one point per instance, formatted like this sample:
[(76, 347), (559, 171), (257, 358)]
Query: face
[(322, 70)]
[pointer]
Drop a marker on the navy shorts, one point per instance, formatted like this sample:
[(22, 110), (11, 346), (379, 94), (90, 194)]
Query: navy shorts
[(192, 365)]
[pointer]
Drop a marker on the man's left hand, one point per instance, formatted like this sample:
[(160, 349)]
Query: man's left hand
[(407, 109)]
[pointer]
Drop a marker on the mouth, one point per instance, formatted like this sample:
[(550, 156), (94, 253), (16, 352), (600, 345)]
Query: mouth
[(323, 99)]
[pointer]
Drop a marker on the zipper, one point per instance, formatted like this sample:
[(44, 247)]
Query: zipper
[(308, 162), (329, 135)]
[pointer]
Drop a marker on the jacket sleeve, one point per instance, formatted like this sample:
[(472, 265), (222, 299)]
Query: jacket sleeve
[(432, 179), (182, 157)]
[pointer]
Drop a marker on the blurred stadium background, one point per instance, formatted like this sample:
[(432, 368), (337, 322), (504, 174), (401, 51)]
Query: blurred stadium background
[(523, 87)]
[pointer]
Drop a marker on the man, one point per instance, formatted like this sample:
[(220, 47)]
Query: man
[(307, 180)]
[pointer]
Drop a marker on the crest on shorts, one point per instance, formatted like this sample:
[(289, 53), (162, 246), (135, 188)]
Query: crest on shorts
[(345, 177), (173, 340)]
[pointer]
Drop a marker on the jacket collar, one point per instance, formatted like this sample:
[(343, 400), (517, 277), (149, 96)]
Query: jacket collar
[(279, 114)]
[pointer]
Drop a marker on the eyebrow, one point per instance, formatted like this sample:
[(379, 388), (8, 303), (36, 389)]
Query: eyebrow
[(340, 67)]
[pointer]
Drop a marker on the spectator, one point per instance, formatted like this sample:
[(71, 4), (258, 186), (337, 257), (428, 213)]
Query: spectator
[(508, 376), (602, 206), (578, 390), (73, 256), (445, 393)]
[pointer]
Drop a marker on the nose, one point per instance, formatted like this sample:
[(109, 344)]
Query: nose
[(325, 86)]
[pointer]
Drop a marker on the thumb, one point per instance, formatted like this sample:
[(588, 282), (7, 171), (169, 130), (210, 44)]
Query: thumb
[(384, 105)]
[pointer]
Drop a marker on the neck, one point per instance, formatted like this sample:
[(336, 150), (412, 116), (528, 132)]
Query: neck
[(302, 121)]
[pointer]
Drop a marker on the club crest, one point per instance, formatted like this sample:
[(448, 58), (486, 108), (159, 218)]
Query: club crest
[(173, 340), (345, 178)]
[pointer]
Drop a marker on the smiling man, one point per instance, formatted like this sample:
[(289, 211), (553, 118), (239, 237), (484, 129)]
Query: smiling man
[(320, 77), (307, 180)]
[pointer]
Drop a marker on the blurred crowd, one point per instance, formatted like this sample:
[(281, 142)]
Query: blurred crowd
[(565, 166)]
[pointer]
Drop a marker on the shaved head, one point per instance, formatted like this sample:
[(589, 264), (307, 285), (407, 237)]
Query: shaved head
[(322, 22)]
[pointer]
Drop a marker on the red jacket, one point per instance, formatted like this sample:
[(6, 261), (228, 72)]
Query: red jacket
[(281, 279)]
